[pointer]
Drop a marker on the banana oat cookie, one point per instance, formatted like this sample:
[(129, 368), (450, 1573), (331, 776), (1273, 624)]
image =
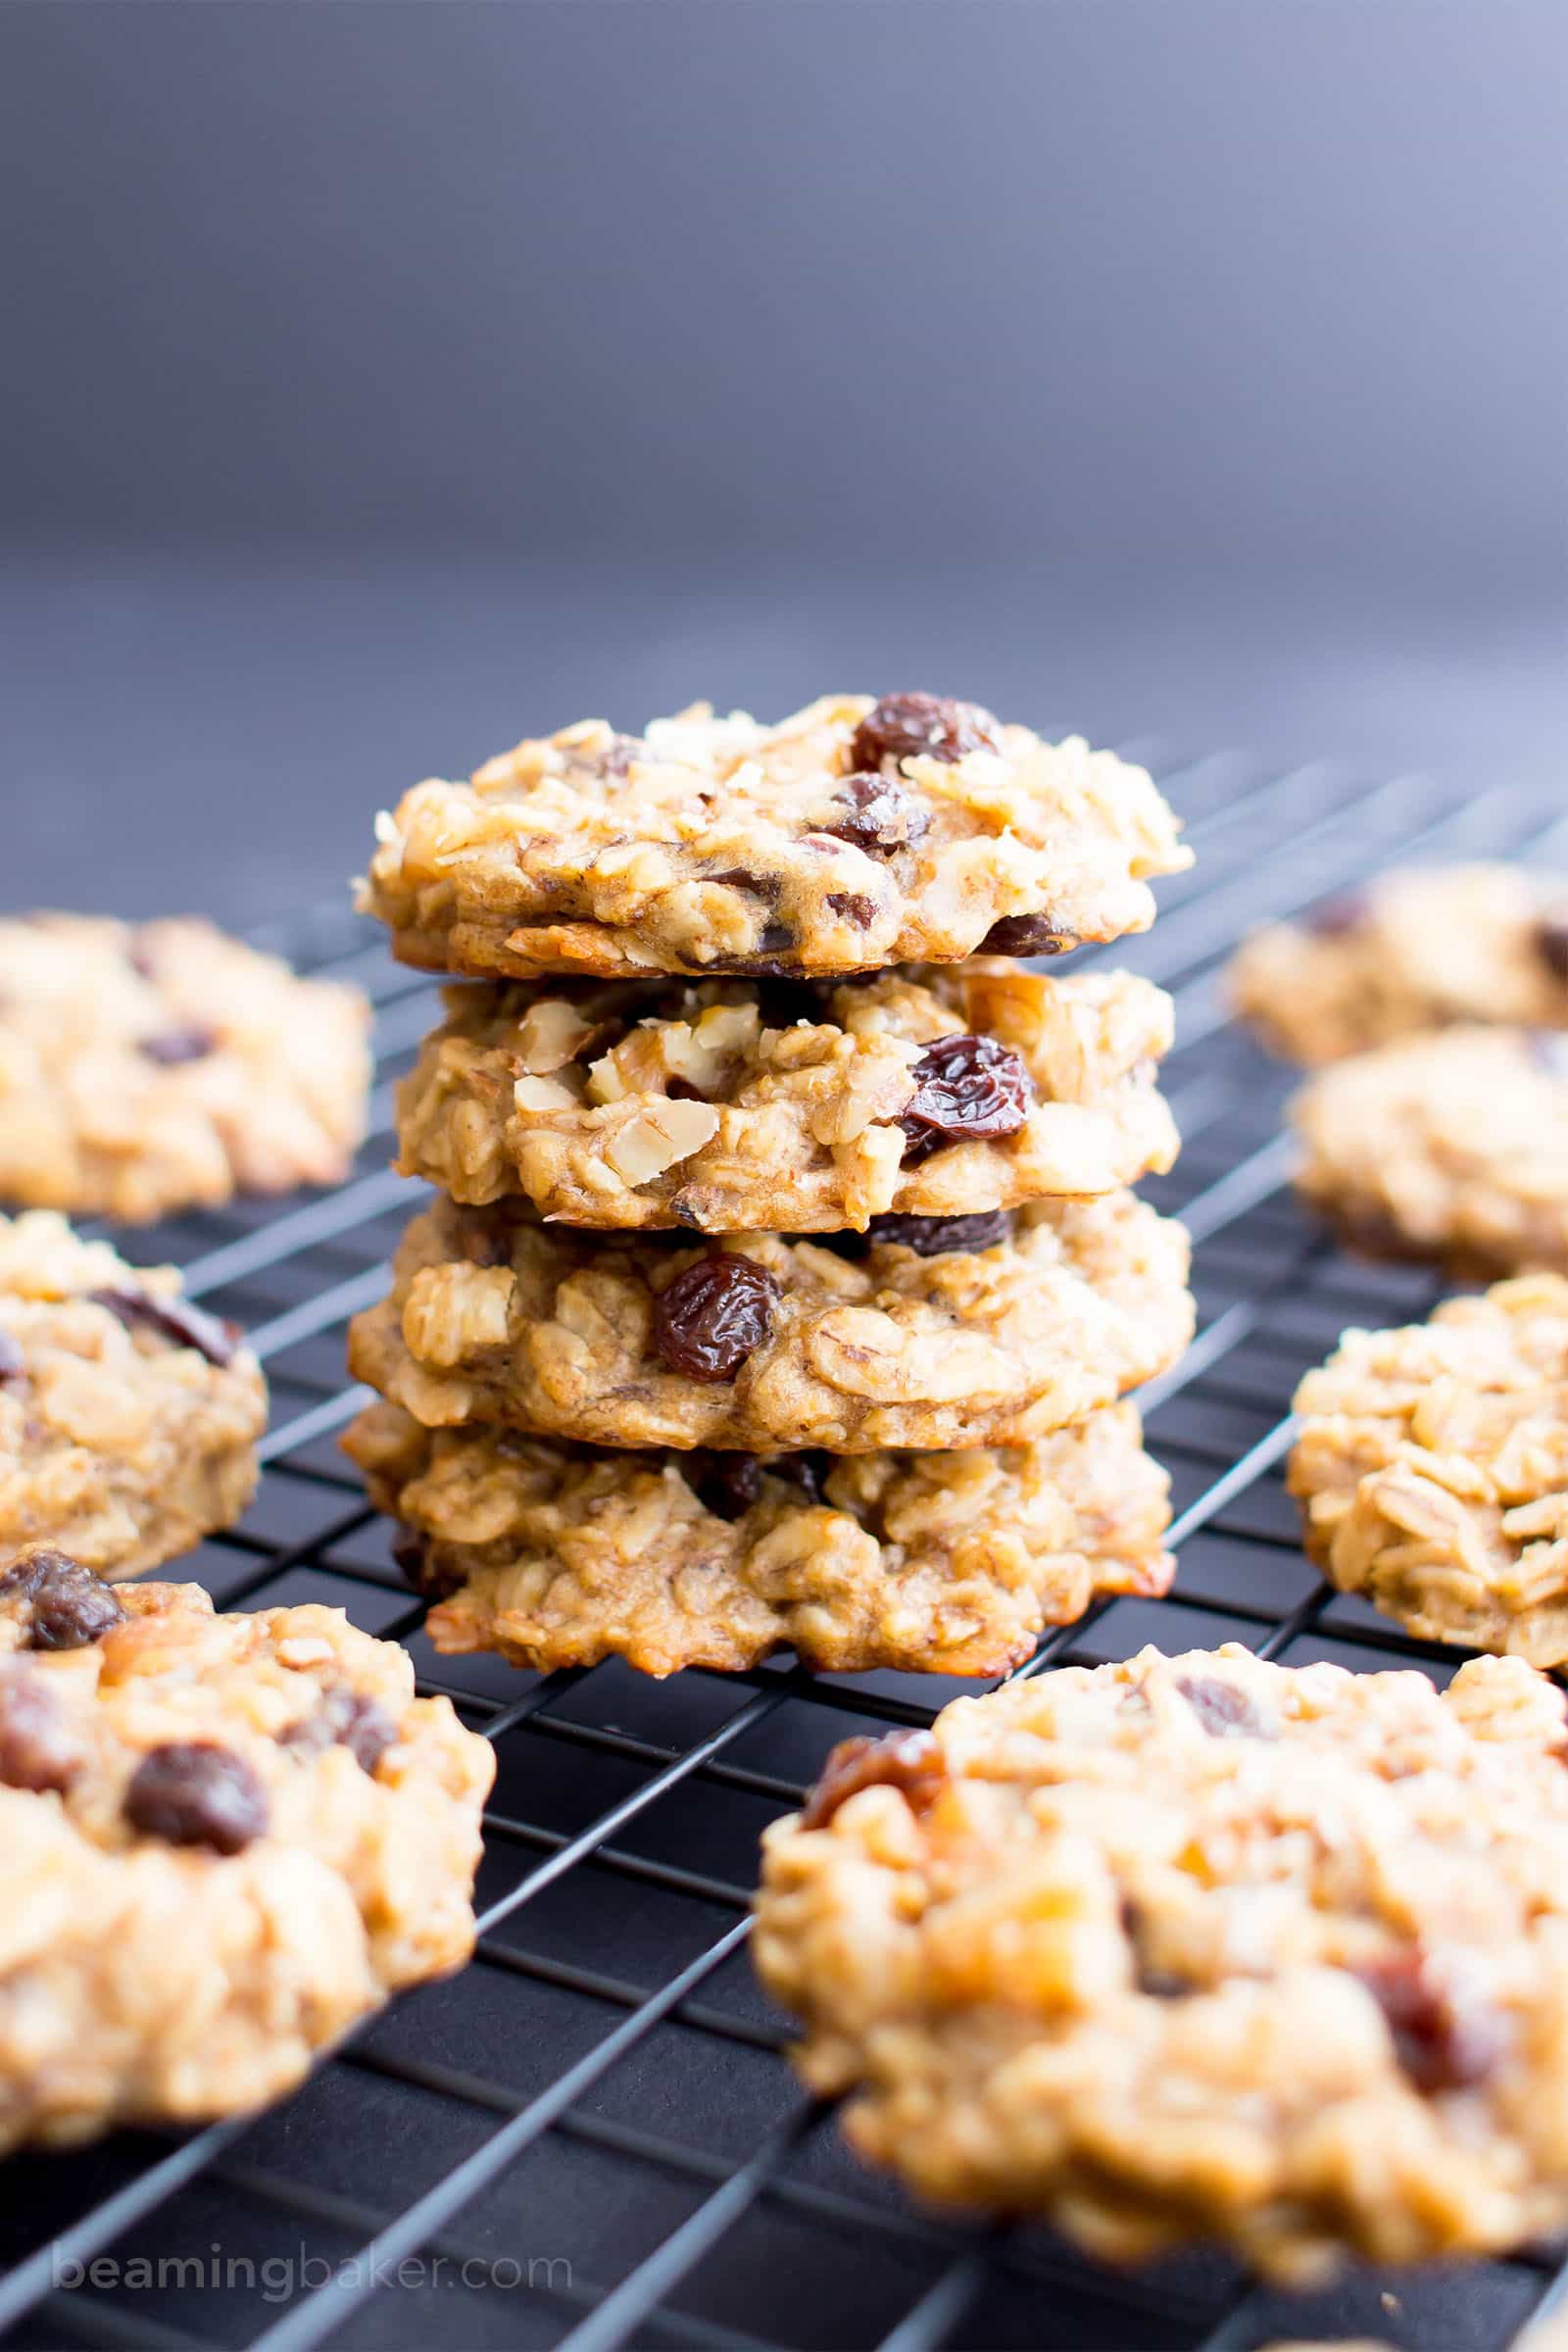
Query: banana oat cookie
[(942, 1563), (1412, 950), (161, 1066), (854, 835), (747, 1106), (1453, 1147), (128, 1416), (1432, 1467), (222, 1840), (1200, 1948), (974, 1331)]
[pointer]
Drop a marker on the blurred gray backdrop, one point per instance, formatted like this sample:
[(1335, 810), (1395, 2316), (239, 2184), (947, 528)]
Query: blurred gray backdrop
[(386, 381)]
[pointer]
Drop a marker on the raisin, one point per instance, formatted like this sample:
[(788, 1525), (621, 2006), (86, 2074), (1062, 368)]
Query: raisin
[(13, 1363), (194, 1792), (614, 759), (729, 1484), (1438, 2043), (806, 1472), (176, 1319), (711, 1317), (344, 1717), (1026, 935), (37, 1749), (1551, 943), (761, 885), (930, 725), (1337, 917), (1224, 1712), (71, 1608), (855, 908), (934, 1237), (411, 1552), (906, 1761), (966, 1089), (725, 1484), (880, 815), (771, 965), (174, 1046)]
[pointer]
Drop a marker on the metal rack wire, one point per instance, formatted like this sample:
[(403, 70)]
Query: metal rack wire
[(590, 2139)]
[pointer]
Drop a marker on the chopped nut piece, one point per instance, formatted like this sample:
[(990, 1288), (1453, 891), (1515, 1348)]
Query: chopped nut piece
[(659, 1138)]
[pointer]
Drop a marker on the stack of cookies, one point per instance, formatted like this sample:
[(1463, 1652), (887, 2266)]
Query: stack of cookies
[(784, 1283)]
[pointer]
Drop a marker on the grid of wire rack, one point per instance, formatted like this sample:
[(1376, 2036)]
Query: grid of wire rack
[(590, 2138)]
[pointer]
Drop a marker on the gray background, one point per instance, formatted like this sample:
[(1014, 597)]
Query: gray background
[(385, 380)]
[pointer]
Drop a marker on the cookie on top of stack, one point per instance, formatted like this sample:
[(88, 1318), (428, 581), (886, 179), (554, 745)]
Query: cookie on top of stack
[(785, 1283)]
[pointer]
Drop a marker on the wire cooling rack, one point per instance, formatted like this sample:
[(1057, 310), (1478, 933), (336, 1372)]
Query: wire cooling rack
[(590, 2139)]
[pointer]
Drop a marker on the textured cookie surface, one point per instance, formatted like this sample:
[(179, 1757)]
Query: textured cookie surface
[(1413, 950), (747, 1106), (223, 1840), (854, 835), (765, 1344), (947, 1563), (166, 1067), (1201, 1948), (128, 1416), (1433, 1469), (1453, 1147)]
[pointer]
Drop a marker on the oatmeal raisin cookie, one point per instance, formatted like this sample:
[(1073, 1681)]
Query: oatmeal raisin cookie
[(222, 1842), (1433, 1470), (1453, 1147), (161, 1066), (985, 1331), (1412, 950), (128, 1416), (854, 835), (1200, 1948), (942, 1563), (747, 1106)]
